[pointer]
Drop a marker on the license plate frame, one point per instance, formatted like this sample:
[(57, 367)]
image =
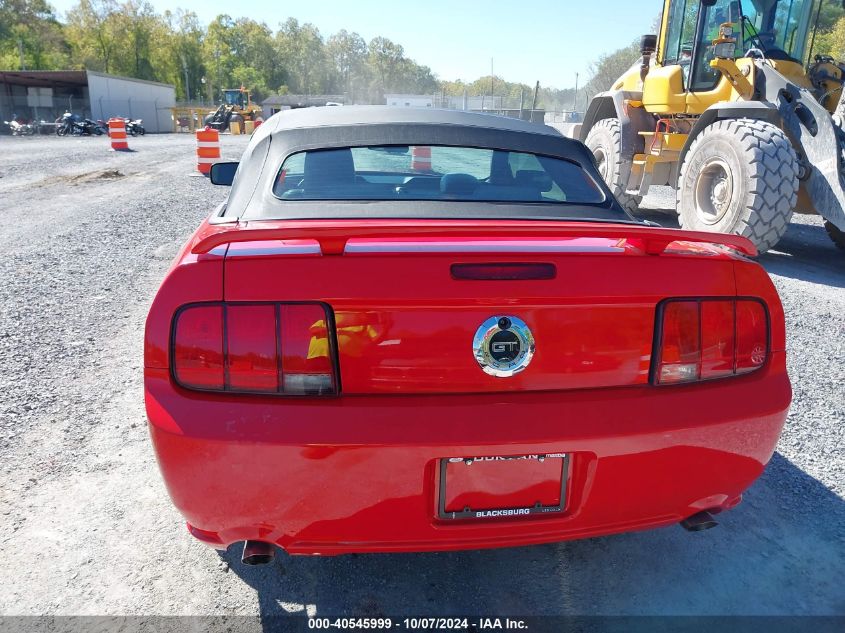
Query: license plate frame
[(507, 512)]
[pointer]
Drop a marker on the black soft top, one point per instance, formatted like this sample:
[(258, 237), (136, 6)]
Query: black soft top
[(385, 116), (292, 131)]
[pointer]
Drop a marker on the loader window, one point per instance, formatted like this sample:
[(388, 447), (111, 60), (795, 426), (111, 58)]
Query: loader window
[(234, 98), (789, 28), (705, 78), (680, 34)]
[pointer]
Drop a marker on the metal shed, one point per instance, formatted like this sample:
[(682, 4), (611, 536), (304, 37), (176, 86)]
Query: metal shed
[(46, 94)]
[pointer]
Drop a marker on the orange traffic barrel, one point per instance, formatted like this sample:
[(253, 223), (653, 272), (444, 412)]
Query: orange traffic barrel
[(117, 134), (420, 158), (208, 149)]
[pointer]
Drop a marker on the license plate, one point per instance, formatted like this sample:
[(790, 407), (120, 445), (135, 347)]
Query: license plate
[(502, 487)]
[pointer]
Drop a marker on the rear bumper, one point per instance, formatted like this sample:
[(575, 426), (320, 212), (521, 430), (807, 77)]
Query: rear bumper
[(360, 473)]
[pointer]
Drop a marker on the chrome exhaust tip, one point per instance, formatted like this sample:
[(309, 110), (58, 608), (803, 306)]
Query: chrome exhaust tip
[(258, 553), (699, 522)]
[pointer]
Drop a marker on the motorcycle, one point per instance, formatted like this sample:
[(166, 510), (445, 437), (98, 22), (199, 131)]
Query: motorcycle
[(90, 128), (65, 124), (135, 127), (76, 126), (20, 129)]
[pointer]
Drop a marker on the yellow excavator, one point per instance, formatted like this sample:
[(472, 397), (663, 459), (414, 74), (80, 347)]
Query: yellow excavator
[(236, 106), (729, 106)]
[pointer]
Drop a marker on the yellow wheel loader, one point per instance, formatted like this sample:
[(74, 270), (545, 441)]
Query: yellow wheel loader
[(236, 106), (727, 107)]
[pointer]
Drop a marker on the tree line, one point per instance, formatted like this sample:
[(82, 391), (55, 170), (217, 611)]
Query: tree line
[(130, 38)]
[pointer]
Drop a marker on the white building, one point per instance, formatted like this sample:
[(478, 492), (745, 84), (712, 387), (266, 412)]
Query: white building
[(46, 94), (131, 98), (410, 101)]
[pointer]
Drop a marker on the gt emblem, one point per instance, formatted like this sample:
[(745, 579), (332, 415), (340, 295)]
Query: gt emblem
[(503, 346)]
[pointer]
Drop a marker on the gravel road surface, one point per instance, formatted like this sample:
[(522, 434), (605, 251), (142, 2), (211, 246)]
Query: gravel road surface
[(86, 526)]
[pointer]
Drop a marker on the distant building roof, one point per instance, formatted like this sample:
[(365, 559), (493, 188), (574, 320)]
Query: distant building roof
[(48, 78), (122, 78), (302, 101), (44, 78)]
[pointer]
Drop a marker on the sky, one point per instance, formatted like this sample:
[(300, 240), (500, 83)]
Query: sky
[(548, 41)]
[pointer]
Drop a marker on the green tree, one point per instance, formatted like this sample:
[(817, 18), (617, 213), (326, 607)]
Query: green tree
[(348, 55), (94, 34), (180, 53), (609, 68), (300, 48), (138, 23), (385, 59), (830, 36), (255, 65), (30, 36), (415, 79)]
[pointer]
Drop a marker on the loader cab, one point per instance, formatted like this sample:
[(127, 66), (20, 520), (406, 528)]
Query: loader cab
[(237, 98), (715, 80), (775, 29)]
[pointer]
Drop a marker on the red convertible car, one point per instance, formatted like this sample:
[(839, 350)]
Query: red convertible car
[(411, 330)]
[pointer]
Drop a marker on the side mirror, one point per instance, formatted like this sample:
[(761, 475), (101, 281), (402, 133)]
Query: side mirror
[(223, 173), (648, 44)]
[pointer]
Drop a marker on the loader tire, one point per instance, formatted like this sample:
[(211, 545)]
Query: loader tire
[(605, 142), (740, 176), (836, 234)]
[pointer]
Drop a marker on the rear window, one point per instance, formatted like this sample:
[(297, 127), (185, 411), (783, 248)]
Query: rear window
[(434, 173)]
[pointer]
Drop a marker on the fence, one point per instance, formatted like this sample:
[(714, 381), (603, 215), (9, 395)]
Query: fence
[(564, 116)]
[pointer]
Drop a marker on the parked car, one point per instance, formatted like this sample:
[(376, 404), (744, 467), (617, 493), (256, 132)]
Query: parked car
[(414, 330)]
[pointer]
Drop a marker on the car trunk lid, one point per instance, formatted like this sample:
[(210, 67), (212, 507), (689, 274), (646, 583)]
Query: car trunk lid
[(406, 323)]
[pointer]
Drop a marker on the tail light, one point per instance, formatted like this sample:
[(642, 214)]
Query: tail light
[(700, 339), (274, 348)]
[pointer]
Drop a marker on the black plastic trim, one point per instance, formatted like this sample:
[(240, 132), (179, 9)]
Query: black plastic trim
[(531, 511)]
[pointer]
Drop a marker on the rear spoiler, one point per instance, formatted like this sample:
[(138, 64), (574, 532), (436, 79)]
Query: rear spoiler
[(333, 234)]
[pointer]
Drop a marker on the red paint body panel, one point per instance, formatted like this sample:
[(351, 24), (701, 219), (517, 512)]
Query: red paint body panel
[(360, 472), (404, 325), (334, 234)]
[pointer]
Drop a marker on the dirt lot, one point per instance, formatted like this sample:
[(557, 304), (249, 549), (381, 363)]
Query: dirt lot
[(85, 523)]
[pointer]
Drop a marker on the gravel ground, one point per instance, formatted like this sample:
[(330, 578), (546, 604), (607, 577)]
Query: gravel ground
[(85, 523)]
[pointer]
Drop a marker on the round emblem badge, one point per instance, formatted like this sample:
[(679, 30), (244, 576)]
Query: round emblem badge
[(503, 346)]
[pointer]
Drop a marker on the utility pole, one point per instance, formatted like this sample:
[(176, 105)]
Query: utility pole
[(20, 50), (187, 82), (575, 98), (217, 76), (492, 97)]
